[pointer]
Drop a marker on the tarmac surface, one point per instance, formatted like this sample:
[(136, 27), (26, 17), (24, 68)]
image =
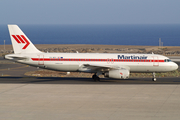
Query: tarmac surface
[(9, 68), (73, 80), (44, 98)]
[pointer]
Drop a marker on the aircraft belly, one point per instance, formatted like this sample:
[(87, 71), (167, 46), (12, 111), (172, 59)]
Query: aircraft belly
[(73, 67), (148, 69), (63, 67), (137, 68)]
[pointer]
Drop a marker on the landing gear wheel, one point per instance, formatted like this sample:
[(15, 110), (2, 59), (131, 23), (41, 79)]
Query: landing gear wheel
[(95, 78), (154, 77)]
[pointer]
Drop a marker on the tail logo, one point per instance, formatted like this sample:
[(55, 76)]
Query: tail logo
[(21, 39)]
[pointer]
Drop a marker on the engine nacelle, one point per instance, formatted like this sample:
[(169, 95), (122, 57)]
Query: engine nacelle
[(117, 74)]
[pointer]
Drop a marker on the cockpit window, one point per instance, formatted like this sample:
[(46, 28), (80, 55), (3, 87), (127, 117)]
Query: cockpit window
[(167, 60)]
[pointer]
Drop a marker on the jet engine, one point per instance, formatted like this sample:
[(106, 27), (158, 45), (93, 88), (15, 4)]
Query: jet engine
[(117, 74)]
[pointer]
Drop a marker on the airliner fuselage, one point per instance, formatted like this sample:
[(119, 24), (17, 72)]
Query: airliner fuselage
[(75, 61)]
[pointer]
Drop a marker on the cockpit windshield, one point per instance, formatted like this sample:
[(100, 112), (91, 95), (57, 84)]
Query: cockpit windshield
[(167, 60)]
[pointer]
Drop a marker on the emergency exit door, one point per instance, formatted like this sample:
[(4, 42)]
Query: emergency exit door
[(41, 59)]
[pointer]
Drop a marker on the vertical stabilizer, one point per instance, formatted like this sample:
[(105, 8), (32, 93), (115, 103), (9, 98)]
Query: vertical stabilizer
[(20, 42)]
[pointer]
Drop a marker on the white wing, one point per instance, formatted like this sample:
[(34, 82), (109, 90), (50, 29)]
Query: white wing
[(101, 68)]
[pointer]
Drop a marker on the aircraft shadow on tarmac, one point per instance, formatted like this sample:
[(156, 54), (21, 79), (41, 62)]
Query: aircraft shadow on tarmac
[(74, 80)]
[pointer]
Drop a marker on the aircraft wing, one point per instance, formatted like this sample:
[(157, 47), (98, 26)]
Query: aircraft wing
[(96, 67)]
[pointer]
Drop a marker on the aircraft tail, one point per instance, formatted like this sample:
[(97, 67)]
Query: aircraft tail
[(20, 42)]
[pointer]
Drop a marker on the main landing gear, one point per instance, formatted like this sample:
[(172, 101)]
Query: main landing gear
[(95, 78), (154, 76)]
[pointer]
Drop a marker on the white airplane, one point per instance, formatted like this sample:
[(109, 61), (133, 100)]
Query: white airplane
[(111, 65)]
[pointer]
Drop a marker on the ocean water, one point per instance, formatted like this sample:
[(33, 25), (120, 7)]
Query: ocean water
[(99, 34)]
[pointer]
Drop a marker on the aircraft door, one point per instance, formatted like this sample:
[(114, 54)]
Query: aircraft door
[(41, 60), (155, 61)]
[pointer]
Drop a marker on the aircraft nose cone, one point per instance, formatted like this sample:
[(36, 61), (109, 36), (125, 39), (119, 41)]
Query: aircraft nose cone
[(175, 66)]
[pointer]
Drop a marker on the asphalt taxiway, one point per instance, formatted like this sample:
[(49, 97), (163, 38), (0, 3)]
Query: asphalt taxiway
[(50, 98), (73, 80)]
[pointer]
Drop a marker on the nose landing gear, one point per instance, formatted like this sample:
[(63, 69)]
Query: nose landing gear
[(154, 76)]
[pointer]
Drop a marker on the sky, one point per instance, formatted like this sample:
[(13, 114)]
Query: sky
[(89, 11)]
